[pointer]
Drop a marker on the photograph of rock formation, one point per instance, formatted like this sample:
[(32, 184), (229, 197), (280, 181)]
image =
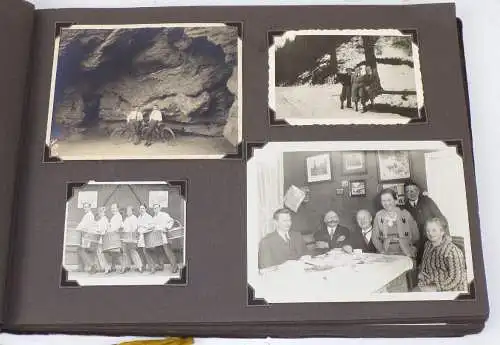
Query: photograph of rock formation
[(346, 79), (154, 92)]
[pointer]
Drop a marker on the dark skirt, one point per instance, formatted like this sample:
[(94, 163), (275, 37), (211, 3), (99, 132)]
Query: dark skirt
[(111, 242), (130, 237), (154, 239), (90, 241)]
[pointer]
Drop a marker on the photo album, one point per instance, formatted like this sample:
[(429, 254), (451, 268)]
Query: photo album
[(246, 171)]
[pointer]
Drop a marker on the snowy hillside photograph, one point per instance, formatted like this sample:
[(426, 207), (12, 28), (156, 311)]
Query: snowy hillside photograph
[(345, 77)]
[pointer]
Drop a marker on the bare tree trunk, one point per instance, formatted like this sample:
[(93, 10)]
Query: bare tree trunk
[(333, 60), (371, 60)]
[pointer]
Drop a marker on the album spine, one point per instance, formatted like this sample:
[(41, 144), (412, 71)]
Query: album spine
[(478, 251), (17, 19)]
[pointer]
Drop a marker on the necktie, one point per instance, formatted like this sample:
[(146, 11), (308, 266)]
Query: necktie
[(289, 242)]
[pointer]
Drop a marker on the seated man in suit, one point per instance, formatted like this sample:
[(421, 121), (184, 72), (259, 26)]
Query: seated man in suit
[(281, 245), (333, 235), (365, 223)]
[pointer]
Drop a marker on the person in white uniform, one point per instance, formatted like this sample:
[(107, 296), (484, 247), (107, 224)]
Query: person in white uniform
[(112, 245), (130, 238), (162, 223), (89, 239), (155, 118), (134, 124), (145, 225), (102, 227)]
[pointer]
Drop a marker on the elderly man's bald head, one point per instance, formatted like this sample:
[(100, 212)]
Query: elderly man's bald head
[(331, 218), (364, 219)]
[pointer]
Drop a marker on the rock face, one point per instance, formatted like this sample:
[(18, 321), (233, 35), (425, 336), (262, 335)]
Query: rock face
[(231, 129), (188, 72)]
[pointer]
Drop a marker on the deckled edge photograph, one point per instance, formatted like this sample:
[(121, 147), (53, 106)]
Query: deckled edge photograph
[(321, 77), (125, 233), (182, 133), (309, 266)]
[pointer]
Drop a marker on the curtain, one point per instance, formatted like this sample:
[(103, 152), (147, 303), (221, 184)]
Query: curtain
[(264, 196), (270, 192), (446, 186)]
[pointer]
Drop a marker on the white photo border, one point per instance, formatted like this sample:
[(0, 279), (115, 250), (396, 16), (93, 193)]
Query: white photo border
[(182, 281), (289, 121), (46, 154), (271, 149)]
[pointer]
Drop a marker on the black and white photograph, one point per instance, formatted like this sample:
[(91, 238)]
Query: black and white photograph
[(155, 91), (358, 188), (318, 168), (353, 163), (125, 233), (360, 244), (348, 77)]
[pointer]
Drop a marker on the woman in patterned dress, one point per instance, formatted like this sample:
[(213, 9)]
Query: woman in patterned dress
[(395, 232), (443, 263)]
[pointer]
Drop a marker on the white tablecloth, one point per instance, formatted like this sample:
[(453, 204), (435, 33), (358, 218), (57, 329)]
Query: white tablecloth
[(331, 278)]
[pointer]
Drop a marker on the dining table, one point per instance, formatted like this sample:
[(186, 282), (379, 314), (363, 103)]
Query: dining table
[(335, 276)]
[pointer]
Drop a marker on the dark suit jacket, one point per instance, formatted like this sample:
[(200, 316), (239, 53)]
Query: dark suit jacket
[(425, 209), (366, 247), (344, 79), (273, 250), (342, 236)]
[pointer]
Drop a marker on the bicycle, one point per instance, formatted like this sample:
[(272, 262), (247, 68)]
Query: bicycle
[(123, 132), (161, 132)]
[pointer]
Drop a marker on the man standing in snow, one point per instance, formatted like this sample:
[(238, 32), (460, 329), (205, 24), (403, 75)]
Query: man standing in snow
[(345, 80)]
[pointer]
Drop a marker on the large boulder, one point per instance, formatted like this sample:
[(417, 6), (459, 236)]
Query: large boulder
[(231, 129), (102, 74), (219, 36)]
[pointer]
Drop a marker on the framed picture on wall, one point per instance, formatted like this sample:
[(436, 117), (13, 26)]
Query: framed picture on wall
[(318, 168), (358, 188), (393, 165), (159, 197), (87, 197), (353, 163)]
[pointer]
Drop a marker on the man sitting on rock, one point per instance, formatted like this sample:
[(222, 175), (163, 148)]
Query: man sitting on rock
[(155, 118), (134, 124)]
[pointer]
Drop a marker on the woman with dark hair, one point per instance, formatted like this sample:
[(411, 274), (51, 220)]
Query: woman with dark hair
[(443, 263), (394, 230)]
